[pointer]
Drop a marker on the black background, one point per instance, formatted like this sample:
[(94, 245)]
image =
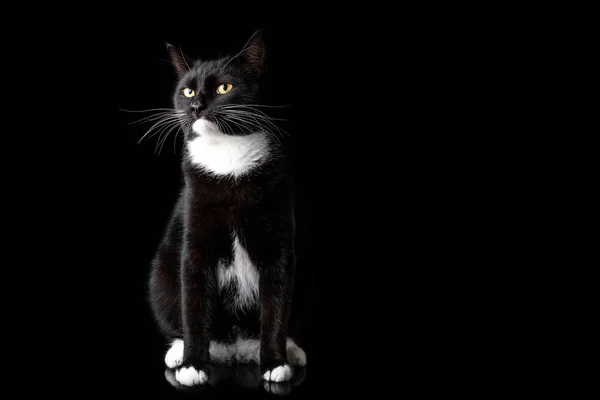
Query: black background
[(379, 181)]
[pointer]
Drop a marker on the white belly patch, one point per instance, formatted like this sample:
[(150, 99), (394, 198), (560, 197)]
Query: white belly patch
[(241, 272)]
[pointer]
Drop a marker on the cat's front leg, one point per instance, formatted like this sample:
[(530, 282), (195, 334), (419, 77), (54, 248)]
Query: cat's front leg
[(276, 284), (197, 285)]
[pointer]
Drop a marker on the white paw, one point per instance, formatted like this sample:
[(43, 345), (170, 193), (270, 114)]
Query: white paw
[(189, 376), (295, 355), (279, 374), (174, 356)]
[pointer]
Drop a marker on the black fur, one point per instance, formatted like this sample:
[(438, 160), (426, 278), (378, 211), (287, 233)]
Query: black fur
[(259, 206)]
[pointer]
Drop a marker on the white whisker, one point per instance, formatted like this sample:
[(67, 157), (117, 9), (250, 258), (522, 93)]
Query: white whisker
[(244, 122), (161, 124), (155, 117), (160, 142), (258, 105), (258, 117), (147, 110)]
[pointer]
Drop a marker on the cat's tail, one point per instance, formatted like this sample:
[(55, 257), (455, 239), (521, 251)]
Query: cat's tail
[(248, 350), (241, 351)]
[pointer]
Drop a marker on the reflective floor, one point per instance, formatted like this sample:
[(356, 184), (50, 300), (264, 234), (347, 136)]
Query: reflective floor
[(243, 379)]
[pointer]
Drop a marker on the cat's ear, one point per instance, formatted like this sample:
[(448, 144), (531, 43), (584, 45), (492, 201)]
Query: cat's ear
[(178, 59), (253, 54)]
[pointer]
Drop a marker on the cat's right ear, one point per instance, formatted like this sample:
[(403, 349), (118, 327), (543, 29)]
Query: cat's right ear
[(178, 59)]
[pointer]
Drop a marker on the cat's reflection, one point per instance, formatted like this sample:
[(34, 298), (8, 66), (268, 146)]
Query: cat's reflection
[(245, 375)]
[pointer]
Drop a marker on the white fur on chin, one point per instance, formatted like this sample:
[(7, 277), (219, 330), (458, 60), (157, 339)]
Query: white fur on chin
[(226, 155)]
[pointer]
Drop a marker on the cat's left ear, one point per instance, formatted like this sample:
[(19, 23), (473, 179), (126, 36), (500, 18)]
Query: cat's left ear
[(178, 59), (253, 54)]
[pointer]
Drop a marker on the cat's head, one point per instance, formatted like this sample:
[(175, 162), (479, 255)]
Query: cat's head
[(226, 91)]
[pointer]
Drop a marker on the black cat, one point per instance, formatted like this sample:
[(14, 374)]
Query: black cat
[(223, 275)]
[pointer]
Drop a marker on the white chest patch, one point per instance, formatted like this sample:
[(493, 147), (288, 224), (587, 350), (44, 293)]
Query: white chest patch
[(243, 273), (223, 154)]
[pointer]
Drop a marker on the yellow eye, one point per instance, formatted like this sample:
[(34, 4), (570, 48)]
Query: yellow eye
[(187, 92), (224, 88)]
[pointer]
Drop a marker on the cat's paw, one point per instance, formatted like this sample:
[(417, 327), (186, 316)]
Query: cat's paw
[(190, 376), (295, 354), (174, 356), (282, 373)]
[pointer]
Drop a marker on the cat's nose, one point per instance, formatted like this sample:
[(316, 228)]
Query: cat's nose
[(198, 105)]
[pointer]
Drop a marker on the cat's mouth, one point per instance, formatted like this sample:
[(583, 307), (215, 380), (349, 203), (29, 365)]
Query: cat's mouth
[(204, 126), (198, 115)]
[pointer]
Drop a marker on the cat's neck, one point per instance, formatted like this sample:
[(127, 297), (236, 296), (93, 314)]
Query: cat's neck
[(222, 155)]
